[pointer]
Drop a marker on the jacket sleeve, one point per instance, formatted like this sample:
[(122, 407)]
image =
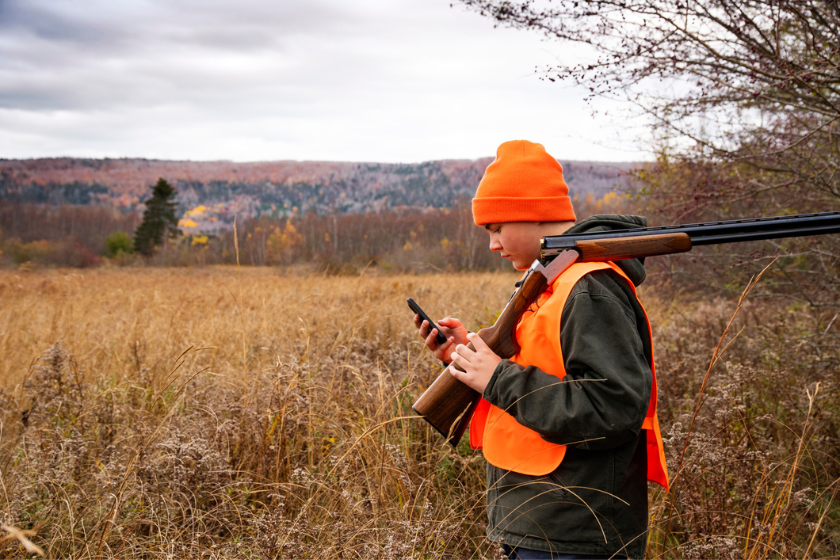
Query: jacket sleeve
[(602, 401)]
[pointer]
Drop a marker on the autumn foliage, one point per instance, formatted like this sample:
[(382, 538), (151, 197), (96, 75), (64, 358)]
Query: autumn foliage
[(395, 240)]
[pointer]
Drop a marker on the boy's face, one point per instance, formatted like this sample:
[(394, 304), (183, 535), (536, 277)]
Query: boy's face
[(519, 242)]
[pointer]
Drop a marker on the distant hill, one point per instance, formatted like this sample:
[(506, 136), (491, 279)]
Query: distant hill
[(212, 193)]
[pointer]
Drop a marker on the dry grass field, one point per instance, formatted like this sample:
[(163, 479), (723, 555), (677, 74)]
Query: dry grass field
[(219, 412)]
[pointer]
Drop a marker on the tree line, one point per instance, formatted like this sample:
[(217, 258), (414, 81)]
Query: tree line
[(398, 239)]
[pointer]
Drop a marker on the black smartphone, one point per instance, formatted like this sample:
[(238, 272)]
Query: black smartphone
[(441, 338)]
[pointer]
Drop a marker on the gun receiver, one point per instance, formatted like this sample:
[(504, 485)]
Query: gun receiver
[(448, 404)]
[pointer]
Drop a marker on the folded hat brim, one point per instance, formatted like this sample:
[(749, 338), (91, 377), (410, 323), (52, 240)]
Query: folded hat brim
[(502, 209)]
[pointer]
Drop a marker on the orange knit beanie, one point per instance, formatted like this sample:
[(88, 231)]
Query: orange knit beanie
[(524, 184)]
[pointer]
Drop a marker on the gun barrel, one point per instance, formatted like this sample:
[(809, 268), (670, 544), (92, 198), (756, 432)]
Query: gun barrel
[(710, 233)]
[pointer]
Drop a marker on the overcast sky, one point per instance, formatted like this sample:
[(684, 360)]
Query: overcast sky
[(248, 80)]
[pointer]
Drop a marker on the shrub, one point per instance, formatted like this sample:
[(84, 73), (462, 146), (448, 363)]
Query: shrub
[(117, 244), (34, 251)]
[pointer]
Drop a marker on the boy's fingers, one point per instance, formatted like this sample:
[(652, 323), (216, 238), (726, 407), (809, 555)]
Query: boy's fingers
[(431, 341), (477, 341), (449, 322), (458, 360), (464, 352), (440, 351)]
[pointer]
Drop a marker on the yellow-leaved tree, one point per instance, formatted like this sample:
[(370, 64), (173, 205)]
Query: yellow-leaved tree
[(283, 243)]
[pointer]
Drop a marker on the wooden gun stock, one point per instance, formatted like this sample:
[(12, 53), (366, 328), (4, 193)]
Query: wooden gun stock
[(448, 404), (617, 249)]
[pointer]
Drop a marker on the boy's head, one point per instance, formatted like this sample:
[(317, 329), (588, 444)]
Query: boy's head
[(522, 198)]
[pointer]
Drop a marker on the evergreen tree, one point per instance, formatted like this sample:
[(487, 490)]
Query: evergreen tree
[(159, 219)]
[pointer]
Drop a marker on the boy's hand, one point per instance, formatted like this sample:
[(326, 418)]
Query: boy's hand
[(478, 365), (453, 330)]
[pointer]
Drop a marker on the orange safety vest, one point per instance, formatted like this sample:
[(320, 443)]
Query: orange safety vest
[(510, 445)]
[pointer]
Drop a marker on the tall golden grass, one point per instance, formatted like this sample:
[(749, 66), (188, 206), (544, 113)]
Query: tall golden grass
[(223, 412)]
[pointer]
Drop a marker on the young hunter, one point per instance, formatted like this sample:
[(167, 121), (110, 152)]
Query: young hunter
[(567, 462)]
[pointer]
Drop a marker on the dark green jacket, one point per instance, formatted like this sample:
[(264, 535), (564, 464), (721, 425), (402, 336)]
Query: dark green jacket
[(595, 502)]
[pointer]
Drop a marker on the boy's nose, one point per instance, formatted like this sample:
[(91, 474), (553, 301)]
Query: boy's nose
[(495, 245)]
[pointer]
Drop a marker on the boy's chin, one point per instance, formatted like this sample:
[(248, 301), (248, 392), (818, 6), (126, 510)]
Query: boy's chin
[(522, 265)]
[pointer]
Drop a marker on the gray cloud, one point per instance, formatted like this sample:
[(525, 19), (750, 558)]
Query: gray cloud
[(317, 79), (50, 21), (56, 59)]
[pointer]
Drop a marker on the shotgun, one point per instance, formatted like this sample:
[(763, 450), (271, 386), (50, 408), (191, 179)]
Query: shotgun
[(448, 404)]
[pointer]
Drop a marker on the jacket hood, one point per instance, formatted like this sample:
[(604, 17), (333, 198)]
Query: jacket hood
[(633, 268)]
